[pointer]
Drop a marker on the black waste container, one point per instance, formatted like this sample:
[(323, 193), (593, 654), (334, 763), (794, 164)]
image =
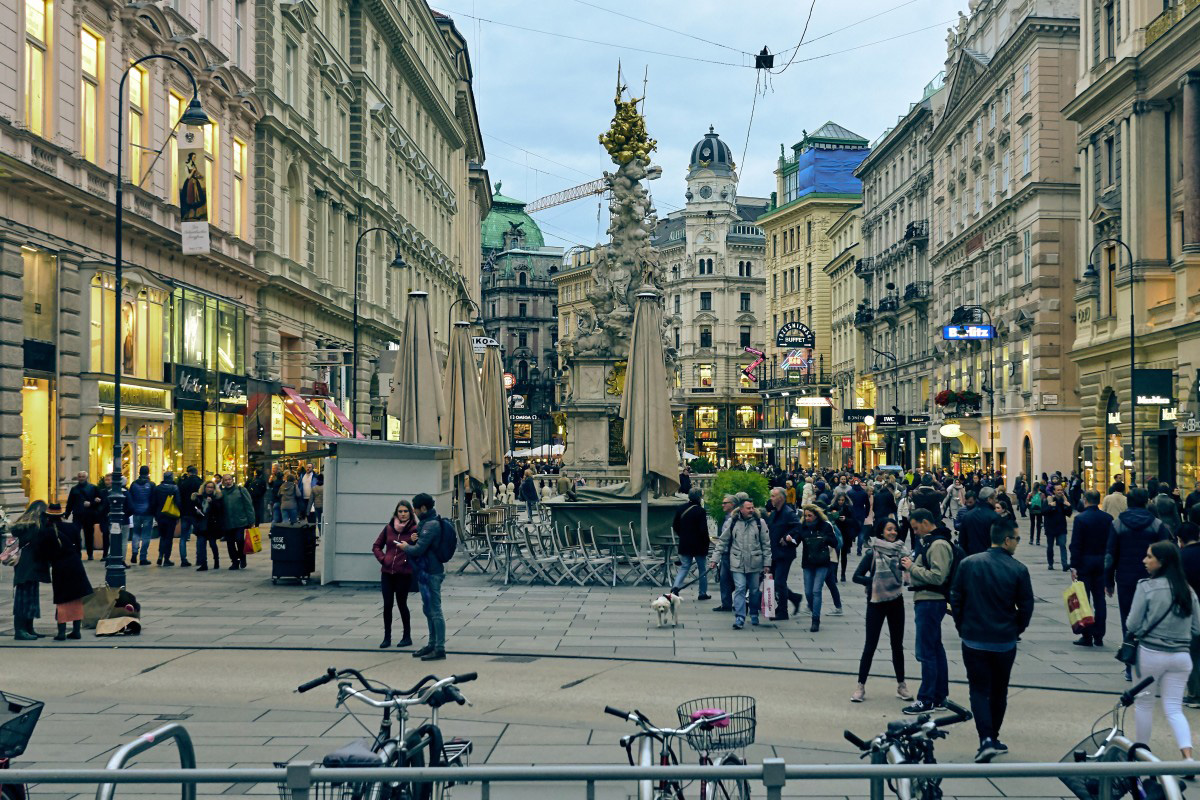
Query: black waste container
[(293, 551)]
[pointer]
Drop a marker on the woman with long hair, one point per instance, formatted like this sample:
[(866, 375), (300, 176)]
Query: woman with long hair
[(819, 548), (1037, 500), (841, 514), (207, 526), (395, 571), (1165, 618), (30, 530), (881, 573)]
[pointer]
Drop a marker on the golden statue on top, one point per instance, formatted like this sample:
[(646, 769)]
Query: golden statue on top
[(626, 139)]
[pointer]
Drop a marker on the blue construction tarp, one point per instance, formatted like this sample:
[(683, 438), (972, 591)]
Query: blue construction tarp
[(829, 171)]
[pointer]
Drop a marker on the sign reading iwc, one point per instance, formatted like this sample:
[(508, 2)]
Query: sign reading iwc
[(794, 335)]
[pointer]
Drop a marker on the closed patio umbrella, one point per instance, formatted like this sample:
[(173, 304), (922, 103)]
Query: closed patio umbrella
[(464, 427), (646, 408), (416, 398), (495, 410)]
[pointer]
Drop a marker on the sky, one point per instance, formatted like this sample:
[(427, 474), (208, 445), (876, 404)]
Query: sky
[(544, 84)]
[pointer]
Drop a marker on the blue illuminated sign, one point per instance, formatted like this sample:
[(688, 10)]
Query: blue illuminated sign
[(968, 332)]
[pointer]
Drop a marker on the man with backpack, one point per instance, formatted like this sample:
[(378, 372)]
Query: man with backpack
[(139, 502), (930, 571), (435, 545), (992, 601)]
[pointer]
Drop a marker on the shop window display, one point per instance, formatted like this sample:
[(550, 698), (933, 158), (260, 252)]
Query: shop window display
[(141, 328), (208, 333), (38, 440)]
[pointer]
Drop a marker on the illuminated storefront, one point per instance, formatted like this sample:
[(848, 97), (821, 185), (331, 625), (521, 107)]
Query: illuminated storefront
[(39, 400)]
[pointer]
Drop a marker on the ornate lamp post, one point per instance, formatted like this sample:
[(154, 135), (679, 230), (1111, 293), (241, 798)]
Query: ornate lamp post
[(114, 565), (1091, 274), (397, 263)]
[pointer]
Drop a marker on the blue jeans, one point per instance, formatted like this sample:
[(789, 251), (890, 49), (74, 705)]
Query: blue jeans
[(431, 607), (726, 583), (141, 527), (186, 523), (289, 514), (685, 566), (741, 582), (814, 587), (935, 672), (1061, 540)]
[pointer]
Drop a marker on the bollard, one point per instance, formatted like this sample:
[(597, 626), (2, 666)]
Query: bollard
[(774, 776), (299, 779)]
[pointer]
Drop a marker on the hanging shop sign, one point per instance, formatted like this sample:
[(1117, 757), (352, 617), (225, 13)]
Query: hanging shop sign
[(857, 414), (231, 389), (794, 335), (480, 344), (193, 191), (191, 388), (955, 333), (918, 419), (1153, 387), (276, 418), (798, 360), (847, 442), (889, 420)]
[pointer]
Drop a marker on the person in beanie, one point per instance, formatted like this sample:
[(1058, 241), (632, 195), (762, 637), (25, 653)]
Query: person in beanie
[(430, 573), (68, 578), (166, 522), (992, 602), (691, 529), (30, 570), (929, 575), (139, 502)]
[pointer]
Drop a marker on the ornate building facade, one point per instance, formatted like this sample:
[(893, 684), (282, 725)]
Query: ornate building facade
[(1138, 111), (898, 287), (1003, 234), (851, 387), (712, 253), (520, 311), (815, 187)]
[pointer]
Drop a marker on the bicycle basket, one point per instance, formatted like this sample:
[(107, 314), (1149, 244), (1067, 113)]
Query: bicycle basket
[(1086, 788), (18, 717), (738, 733), (330, 790)]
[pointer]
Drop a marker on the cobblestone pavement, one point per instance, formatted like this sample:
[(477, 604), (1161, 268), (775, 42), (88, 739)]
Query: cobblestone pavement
[(221, 649)]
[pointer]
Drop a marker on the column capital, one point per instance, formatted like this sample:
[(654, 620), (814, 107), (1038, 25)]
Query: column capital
[(1189, 78)]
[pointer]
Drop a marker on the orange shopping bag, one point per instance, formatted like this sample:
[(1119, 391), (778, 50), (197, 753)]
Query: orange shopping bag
[(253, 540), (1079, 609)]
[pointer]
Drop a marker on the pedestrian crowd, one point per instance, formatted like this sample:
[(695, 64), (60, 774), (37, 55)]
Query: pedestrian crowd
[(951, 541)]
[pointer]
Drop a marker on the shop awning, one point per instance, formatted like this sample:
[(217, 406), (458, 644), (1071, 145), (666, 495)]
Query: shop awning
[(341, 417), (299, 408)]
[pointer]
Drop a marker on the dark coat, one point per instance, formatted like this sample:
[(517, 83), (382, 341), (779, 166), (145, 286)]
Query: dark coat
[(975, 529), (31, 566), (691, 528), (782, 523), (861, 502), (188, 486), (1089, 540), (1054, 515), (75, 509), (1132, 532), (162, 491), (1189, 555), (992, 597), (60, 549), (928, 498)]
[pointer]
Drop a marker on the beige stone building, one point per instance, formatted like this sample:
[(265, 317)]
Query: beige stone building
[(573, 282), (815, 187), (897, 181), (712, 254), (847, 365), (1003, 234), (1138, 111)]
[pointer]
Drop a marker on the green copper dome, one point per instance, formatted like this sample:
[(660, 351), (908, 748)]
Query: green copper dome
[(505, 213)]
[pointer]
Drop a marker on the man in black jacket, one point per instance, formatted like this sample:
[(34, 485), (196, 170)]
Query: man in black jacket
[(691, 531), (189, 485), (928, 498), (992, 603), (1089, 540), (83, 501), (1055, 511), (975, 526), (784, 527)]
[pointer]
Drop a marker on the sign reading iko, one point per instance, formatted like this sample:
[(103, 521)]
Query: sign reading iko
[(794, 335)]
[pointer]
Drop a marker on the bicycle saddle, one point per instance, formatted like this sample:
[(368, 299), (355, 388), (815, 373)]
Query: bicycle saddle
[(704, 713), (355, 754)]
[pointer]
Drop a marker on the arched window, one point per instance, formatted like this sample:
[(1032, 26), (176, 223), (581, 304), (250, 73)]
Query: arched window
[(523, 370), (747, 269), (1027, 458), (521, 280), (294, 201)]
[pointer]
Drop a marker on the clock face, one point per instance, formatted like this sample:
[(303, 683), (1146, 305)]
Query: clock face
[(706, 152), (706, 192)]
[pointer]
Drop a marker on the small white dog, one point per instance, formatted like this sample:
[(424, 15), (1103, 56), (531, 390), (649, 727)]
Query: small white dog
[(667, 607)]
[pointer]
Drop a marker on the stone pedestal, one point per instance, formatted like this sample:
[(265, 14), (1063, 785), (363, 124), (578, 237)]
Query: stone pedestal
[(592, 402)]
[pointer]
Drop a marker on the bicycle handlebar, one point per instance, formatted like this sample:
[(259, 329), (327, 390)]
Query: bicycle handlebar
[(390, 695), (466, 677), (616, 712), (1128, 695), (959, 714), (854, 740), (642, 721), (315, 682)]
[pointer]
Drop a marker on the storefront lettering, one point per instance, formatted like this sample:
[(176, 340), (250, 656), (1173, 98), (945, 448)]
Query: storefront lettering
[(1114, 418), (191, 384), (136, 396), (1170, 414)]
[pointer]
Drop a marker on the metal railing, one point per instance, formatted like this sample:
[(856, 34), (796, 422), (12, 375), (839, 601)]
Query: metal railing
[(167, 733), (297, 779)]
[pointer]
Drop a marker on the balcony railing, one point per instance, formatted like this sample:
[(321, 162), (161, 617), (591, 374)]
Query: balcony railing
[(863, 317), (864, 267), (889, 304), (917, 231), (918, 292), (795, 378)]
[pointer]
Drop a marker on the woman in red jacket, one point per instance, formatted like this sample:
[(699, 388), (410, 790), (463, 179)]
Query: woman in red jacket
[(396, 574)]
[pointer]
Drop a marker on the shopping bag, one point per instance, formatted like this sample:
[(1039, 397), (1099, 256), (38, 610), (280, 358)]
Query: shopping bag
[(768, 597), (170, 509), (253, 540), (1079, 609)]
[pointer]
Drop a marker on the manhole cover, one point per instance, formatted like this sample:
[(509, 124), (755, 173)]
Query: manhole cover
[(515, 659)]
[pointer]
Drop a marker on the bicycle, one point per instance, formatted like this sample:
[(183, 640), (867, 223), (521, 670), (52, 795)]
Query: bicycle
[(420, 747), (1115, 746), (723, 726), (18, 717), (911, 742)]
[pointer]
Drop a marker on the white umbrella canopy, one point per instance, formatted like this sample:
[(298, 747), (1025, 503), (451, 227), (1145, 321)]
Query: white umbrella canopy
[(464, 426), (416, 398), (495, 409), (646, 404)]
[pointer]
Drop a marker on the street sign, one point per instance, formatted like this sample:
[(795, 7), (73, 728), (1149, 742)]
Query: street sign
[(481, 343), (510, 380), (954, 333), (889, 420)]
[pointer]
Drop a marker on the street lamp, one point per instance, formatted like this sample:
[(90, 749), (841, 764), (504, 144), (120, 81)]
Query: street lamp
[(397, 263), (962, 315), (1091, 274), (114, 565), (450, 315)]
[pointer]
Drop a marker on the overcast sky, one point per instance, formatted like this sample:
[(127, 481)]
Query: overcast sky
[(552, 96)]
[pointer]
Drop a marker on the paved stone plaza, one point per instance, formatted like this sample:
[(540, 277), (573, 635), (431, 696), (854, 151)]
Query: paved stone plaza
[(224, 649)]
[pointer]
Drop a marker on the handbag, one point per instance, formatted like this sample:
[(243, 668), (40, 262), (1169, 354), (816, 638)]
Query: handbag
[(1079, 610), (768, 598), (1127, 653), (10, 556), (170, 507)]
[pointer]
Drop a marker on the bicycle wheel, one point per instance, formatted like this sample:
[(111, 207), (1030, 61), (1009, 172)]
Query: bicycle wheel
[(727, 789)]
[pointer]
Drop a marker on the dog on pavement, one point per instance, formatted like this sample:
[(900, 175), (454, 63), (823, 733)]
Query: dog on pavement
[(667, 609)]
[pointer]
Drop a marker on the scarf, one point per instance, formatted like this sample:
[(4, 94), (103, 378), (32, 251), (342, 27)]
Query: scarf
[(887, 582)]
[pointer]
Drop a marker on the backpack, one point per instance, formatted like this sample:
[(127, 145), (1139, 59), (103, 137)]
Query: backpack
[(816, 549), (957, 555), (1035, 502), (443, 549)]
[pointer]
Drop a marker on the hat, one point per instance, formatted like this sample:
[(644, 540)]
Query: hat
[(985, 493), (54, 510)]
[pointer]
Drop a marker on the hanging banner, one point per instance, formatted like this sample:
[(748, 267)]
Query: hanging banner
[(193, 191)]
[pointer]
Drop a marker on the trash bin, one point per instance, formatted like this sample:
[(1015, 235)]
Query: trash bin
[(293, 551)]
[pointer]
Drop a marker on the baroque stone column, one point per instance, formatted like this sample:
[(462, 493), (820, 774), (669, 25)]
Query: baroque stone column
[(1191, 161)]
